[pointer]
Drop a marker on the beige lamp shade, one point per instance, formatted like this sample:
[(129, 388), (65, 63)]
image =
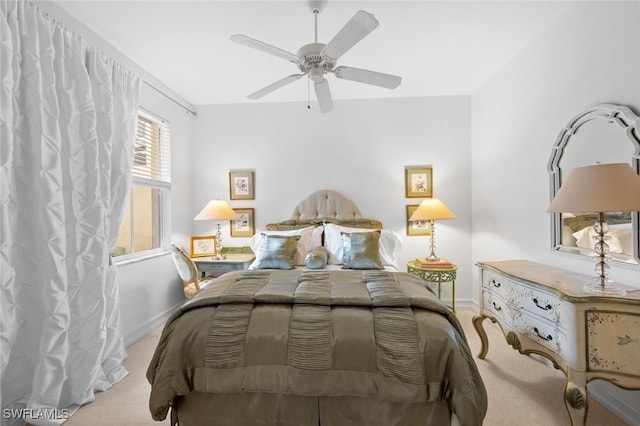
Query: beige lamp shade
[(612, 187), (431, 209), (216, 210)]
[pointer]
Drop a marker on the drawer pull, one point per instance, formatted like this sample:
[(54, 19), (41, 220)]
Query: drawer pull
[(496, 307), (544, 308), (548, 338), (495, 284)]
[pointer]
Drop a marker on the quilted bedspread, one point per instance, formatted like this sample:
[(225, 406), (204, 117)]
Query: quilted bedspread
[(330, 332)]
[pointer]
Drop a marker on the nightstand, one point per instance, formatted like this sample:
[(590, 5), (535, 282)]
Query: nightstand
[(236, 259), (436, 276)]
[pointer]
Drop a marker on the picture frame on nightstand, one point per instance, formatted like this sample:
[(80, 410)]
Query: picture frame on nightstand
[(203, 246)]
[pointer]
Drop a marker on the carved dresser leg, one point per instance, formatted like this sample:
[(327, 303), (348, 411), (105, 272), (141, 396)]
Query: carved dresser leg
[(484, 341), (576, 399)]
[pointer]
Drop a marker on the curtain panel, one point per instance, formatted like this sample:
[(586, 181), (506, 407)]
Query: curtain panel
[(67, 121)]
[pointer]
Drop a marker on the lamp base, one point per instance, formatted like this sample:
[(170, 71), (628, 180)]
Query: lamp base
[(606, 289)]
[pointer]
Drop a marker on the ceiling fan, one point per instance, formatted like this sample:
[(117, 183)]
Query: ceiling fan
[(317, 59)]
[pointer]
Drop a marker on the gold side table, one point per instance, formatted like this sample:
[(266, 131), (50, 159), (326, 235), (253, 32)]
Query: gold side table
[(436, 276)]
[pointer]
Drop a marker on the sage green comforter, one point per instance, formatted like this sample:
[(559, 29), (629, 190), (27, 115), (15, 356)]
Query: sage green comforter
[(326, 333)]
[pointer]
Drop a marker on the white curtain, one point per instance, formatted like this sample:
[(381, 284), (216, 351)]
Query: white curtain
[(67, 120)]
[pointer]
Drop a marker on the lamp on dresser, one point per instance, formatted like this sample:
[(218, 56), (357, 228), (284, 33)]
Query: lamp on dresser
[(432, 209), (600, 188), (217, 210)]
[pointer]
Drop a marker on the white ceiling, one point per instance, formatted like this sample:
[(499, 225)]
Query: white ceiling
[(438, 47)]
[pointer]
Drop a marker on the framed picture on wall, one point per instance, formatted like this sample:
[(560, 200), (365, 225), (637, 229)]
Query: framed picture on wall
[(419, 227), (241, 185), (418, 181), (242, 226), (203, 246)]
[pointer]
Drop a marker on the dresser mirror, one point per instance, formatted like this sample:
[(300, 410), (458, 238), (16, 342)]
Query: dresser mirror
[(605, 133)]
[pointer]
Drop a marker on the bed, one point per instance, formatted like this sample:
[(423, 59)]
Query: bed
[(318, 345)]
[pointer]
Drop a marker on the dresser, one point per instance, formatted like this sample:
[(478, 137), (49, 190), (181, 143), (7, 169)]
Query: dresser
[(543, 310)]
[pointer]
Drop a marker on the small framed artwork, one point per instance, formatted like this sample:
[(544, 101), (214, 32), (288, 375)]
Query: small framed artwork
[(418, 181), (241, 185), (419, 227), (203, 246), (242, 226)]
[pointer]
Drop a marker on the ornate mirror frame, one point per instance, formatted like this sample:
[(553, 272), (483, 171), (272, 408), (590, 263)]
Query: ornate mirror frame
[(629, 123)]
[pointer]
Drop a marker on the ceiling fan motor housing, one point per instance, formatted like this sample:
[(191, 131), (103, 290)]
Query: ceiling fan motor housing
[(311, 57)]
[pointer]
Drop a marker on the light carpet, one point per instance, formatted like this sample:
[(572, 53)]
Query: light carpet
[(522, 390)]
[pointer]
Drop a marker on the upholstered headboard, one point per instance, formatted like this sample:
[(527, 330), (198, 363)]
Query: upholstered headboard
[(325, 206)]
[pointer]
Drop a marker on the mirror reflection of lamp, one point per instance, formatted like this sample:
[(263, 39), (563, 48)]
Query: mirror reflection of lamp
[(600, 188), (217, 210), (431, 210)]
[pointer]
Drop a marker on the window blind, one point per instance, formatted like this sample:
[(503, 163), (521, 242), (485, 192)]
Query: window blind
[(152, 155)]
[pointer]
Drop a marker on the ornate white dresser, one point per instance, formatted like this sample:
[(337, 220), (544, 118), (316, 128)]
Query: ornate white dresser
[(543, 310)]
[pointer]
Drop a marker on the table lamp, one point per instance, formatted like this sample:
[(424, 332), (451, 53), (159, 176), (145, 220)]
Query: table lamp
[(431, 210), (599, 188), (217, 210)]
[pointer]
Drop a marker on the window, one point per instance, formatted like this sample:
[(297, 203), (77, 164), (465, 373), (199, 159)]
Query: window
[(144, 228)]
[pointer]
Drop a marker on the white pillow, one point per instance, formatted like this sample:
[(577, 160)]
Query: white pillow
[(310, 238), (619, 238), (389, 243)]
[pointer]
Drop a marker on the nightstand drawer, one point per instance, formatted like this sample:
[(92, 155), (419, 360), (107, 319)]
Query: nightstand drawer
[(220, 267), (208, 266)]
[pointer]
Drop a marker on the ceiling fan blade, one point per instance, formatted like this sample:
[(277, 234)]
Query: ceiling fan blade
[(257, 44), (361, 24), (323, 94), (273, 86), (369, 77)]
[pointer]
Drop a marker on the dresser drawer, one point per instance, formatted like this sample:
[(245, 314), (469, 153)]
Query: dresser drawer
[(542, 332), (496, 306), (495, 283), (540, 303)]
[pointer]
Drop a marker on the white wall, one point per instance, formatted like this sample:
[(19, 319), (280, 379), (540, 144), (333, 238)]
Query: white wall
[(360, 150), (589, 56), (150, 289)]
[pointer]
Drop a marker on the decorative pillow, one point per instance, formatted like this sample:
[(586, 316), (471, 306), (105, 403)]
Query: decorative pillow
[(317, 258), (389, 244), (310, 238), (276, 252), (361, 250)]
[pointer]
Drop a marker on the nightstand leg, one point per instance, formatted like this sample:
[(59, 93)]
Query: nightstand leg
[(453, 295)]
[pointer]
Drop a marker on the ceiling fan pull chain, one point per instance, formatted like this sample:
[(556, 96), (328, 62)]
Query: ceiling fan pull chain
[(308, 93)]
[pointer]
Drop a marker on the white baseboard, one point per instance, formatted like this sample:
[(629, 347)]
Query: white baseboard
[(145, 328)]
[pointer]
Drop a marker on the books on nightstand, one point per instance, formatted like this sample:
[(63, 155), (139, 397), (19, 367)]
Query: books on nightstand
[(434, 264)]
